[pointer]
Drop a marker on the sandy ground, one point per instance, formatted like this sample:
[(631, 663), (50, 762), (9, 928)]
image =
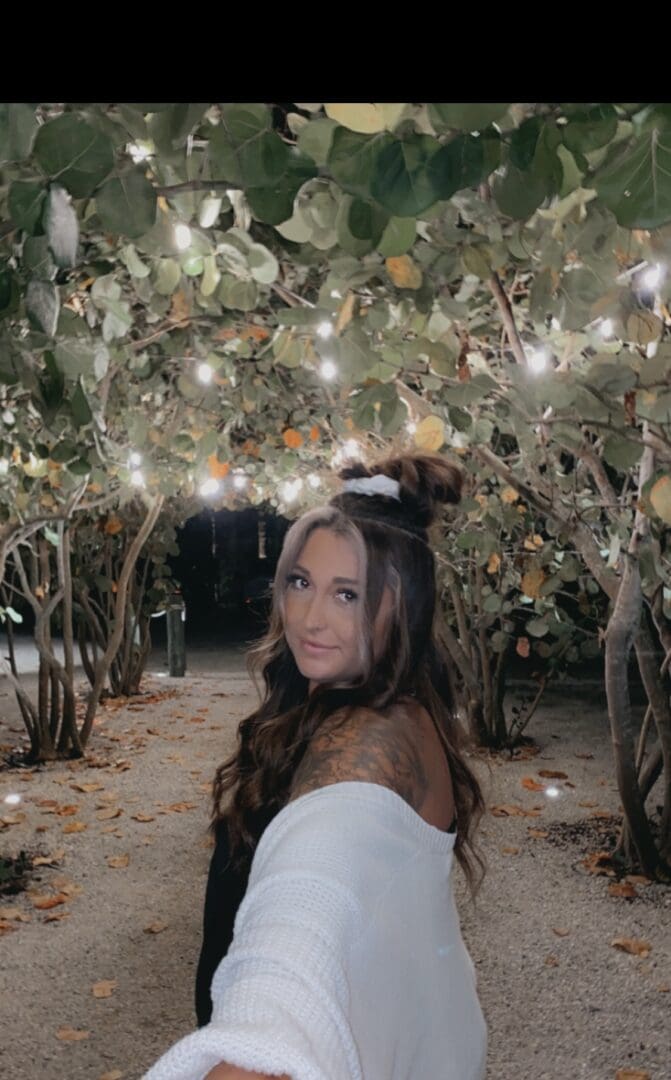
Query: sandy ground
[(98, 955)]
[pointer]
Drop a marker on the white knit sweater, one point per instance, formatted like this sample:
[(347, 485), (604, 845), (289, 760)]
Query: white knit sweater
[(347, 961)]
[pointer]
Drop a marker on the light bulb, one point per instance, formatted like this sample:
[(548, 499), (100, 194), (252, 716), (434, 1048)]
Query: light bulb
[(239, 481), (136, 478), (12, 800), (182, 236), (538, 360), (328, 370), (652, 277), (556, 325), (138, 151), (209, 487), (205, 373), (325, 329), (135, 459), (606, 328), (4, 466), (412, 427), (336, 294), (313, 480), (552, 792)]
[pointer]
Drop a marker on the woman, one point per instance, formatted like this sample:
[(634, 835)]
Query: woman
[(350, 797)]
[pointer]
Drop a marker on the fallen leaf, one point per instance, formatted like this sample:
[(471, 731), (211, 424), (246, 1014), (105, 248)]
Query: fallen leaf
[(87, 787), (156, 927), (104, 988), (15, 914), (585, 757), (111, 812), (67, 811), (346, 312), (404, 271), (292, 438), (113, 525), (532, 581), (530, 784), (588, 802), (537, 834), (551, 961), (638, 879), (118, 862), (599, 862), (49, 860), (147, 817), (509, 495), (552, 774), (601, 814), (512, 810), (633, 946), (632, 1074), (494, 562), (663, 988), (560, 931), (115, 1074), (510, 851), (624, 888), (45, 903), (68, 1034), (13, 819)]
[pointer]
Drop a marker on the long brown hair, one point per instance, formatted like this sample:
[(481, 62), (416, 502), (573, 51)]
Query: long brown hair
[(393, 547)]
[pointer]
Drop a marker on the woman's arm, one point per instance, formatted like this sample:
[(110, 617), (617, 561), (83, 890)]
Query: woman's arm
[(234, 1072)]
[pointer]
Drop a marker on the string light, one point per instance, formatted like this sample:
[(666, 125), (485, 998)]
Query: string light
[(135, 459), (12, 799), (138, 151), (136, 478), (239, 481), (606, 328), (209, 487), (328, 370), (291, 489), (411, 427), (538, 360), (552, 792), (653, 276), (314, 481), (205, 373), (325, 329), (182, 236)]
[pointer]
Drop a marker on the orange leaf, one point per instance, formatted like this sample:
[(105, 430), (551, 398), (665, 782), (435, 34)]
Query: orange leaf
[(523, 648), (345, 314), (217, 469), (632, 1074), (531, 582), (68, 1034), (551, 961), (45, 903), (292, 438), (118, 862), (75, 826), (494, 562), (143, 817), (104, 988), (624, 888), (109, 813), (552, 774), (314, 433), (404, 272), (180, 308), (537, 834), (113, 525), (156, 927), (599, 862), (510, 851), (530, 784), (633, 946), (560, 931), (509, 495)]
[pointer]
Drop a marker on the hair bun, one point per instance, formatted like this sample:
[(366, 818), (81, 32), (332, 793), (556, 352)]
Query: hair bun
[(425, 481)]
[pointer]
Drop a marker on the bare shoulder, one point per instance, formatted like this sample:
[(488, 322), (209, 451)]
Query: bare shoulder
[(380, 747)]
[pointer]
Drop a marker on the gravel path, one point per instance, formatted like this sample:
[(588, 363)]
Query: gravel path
[(97, 986)]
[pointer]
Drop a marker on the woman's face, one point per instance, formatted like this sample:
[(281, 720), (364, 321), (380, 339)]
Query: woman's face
[(323, 605)]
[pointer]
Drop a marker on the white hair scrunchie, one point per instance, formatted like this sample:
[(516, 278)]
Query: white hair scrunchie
[(374, 485)]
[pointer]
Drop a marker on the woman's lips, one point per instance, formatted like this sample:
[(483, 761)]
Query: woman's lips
[(316, 648)]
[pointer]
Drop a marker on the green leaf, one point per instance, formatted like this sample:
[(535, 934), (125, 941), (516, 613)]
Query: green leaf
[(398, 237), (18, 127), (74, 357), (353, 159), (81, 410), (589, 129), (168, 276), (402, 182), (70, 150), (459, 164), (244, 150), (171, 126), (43, 304), (263, 265), (51, 384), (465, 116), (622, 453), (61, 227), (127, 204), (315, 139), (537, 627), (37, 258), (365, 221), (519, 193), (523, 142), (636, 186), (274, 203), (63, 451), (136, 268), (492, 603), (237, 294), (25, 203)]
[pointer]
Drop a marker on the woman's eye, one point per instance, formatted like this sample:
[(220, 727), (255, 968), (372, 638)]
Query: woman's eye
[(293, 579)]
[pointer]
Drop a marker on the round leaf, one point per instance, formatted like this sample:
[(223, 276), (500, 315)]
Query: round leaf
[(660, 497), (70, 150), (362, 117), (26, 200), (636, 186), (465, 116), (62, 227), (18, 127), (398, 236), (402, 182), (127, 204), (263, 265)]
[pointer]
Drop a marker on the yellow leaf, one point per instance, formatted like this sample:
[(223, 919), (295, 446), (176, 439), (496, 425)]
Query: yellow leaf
[(104, 988), (345, 314), (531, 582), (292, 438), (430, 433), (363, 117), (162, 203), (660, 497), (156, 927), (68, 1034), (494, 563), (404, 272), (314, 433), (632, 1074), (180, 308), (509, 495), (75, 826)]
